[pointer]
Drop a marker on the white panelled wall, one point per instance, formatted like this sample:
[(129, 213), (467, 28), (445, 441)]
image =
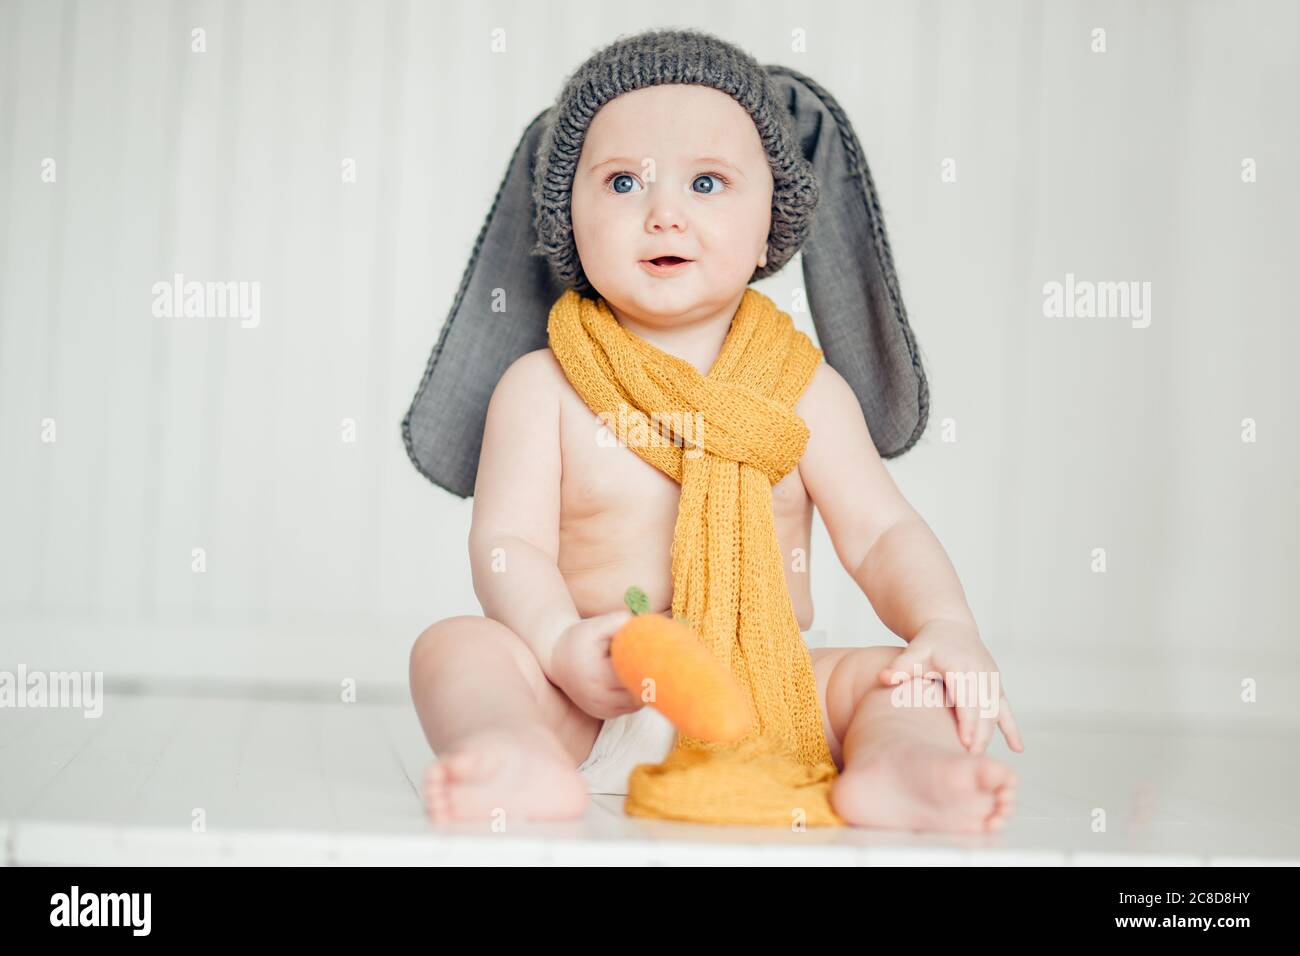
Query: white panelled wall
[(323, 558)]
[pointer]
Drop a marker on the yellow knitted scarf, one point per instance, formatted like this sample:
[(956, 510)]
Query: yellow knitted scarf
[(728, 578)]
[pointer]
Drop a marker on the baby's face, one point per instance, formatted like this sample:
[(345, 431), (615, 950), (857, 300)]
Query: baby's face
[(672, 170)]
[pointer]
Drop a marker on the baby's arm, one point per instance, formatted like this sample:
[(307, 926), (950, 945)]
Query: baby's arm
[(514, 537), (879, 537), (895, 558)]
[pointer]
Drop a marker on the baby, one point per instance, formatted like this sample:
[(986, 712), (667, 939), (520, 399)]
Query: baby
[(672, 207)]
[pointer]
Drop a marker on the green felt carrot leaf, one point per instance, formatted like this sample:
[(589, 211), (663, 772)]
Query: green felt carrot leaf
[(636, 599)]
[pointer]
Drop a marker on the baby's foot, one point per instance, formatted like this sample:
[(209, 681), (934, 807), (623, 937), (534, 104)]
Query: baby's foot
[(917, 785), (522, 774)]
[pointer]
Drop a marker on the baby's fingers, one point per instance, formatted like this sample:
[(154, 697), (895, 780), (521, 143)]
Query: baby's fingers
[(622, 696), (981, 731), (987, 723), (906, 665), (616, 705), (968, 716), (953, 678), (1010, 730)]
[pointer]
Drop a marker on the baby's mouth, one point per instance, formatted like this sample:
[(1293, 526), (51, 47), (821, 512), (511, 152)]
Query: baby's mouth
[(668, 260)]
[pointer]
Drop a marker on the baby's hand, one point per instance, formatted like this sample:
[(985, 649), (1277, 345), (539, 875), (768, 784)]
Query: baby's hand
[(954, 653), (581, 666)]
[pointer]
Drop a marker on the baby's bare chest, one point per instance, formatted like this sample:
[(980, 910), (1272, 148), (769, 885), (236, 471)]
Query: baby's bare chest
[(603, 478)]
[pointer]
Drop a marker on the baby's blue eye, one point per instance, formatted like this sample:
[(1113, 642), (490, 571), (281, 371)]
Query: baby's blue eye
[(711, 189), (622, 176)]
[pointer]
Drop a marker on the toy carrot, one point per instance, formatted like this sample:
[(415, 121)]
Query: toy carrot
[(690, 686)]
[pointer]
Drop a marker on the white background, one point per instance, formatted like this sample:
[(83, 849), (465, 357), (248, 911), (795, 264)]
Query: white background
[(325, 559)]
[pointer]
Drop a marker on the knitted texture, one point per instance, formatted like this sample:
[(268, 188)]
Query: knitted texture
[(727, 570), (649, 59)]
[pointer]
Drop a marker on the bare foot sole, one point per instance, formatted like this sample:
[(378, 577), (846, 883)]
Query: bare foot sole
[(917, 785), (511, 772)]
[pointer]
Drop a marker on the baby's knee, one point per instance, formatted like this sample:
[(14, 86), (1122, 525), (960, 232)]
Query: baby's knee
[(439, 639), (860, 668), (455, 638)]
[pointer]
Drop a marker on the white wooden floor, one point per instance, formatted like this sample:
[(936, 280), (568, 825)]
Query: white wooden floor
[(283, 778)]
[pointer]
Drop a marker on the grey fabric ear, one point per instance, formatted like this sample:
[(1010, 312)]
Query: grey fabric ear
[(849, 277), (443, 429)]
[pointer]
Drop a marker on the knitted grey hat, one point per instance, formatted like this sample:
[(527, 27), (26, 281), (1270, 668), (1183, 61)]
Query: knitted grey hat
[(823, 204), (651, 59)]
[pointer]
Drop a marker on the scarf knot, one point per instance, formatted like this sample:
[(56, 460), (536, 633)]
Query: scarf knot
[(732, 421)]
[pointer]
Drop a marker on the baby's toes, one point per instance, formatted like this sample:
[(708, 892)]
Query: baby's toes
[(977, 818), (436, 795), (1004, 804), (1001, 813), (992, 775), (467, 764)]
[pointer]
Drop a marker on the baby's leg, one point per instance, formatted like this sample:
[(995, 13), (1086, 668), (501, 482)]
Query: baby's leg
[(903, 767), (507, 740)]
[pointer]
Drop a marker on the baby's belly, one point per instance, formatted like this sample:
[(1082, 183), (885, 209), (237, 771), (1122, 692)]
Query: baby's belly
[(603, 554), (616, 530)]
